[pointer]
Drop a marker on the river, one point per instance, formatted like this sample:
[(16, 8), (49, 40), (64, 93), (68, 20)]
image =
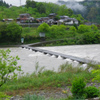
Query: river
[(29, 58)]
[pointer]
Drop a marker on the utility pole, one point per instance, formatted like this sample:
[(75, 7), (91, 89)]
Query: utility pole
[(20, 2)]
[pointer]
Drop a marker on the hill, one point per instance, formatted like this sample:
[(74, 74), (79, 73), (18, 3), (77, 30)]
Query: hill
[(89, 9)]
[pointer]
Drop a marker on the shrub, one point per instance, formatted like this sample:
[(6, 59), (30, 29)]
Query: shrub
[(56, 31), (53, 32), (14, 32), (91, 37), (73, 28), (3, 32), (44, 27), (83, 28), (91, 92), (61, 27), (8, 66), (3, 95), (10, 32), (78, 88), (26, 30), (97, 74), (94, 27)]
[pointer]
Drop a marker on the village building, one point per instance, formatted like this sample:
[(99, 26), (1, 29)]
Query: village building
[(7, 20), (26, 18), (68, 21), (23, 18), (52, 15), (39, 20)]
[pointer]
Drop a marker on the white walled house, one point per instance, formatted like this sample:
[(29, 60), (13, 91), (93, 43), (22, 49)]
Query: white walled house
[(68, 21)]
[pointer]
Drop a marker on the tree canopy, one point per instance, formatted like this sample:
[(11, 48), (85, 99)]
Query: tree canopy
[(3, 3)]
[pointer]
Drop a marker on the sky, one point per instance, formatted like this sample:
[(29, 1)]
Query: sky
[(17, 2)]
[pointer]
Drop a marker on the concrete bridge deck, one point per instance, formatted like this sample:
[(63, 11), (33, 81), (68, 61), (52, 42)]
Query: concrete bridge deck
[(63, 54)]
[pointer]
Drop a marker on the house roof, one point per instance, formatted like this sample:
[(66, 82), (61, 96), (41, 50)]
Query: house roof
[(24, 14), (64, 16), (52, 14)]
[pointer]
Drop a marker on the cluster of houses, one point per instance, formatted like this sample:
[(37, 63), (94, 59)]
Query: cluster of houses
[(26, 18)]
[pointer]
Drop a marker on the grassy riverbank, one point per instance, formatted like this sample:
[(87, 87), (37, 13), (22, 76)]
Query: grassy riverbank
[(43, 79), (70, 35), (81, 34)]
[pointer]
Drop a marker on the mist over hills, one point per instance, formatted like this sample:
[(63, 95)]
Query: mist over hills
[(89, 9), (73, 4)]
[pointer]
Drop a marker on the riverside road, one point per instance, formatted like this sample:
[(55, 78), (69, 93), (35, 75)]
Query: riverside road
[(29, 58)]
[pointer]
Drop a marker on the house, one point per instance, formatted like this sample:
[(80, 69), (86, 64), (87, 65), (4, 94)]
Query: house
[(71, 21), (52, 15), (68, 21), (64, 17), (39, 20), (8, 20), (23, 18), (26, 18), (50, 21)]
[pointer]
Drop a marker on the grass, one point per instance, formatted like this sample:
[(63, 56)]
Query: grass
[(33, 97), (42, 78), (36, 97)]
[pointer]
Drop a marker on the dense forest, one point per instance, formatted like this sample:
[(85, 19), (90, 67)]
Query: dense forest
[(92, 10), (3, 3)]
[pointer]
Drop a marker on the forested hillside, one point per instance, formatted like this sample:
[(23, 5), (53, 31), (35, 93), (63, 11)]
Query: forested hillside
[(92, 10), (89, 9), (37, 10)]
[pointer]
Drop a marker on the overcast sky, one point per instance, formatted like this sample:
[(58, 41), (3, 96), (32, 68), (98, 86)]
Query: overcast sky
[(17, 2)]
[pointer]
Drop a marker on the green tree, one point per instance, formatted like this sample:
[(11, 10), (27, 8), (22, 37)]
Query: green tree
[(92, 14), (44, 27), (8, 66), (56, 17), (3, 32), (30, 3), (3, 3), (63, 10), (70, 12), (41, 7), (14, 32), (73, 29), (51, 8), (83, 28), (10, 32)]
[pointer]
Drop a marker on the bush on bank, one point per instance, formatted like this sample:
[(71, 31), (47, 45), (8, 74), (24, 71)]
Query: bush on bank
[(10, 32), (82, 34), (8, 66), (79, 89)]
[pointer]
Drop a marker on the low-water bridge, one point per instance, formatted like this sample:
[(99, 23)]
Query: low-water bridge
[(56, 54)]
